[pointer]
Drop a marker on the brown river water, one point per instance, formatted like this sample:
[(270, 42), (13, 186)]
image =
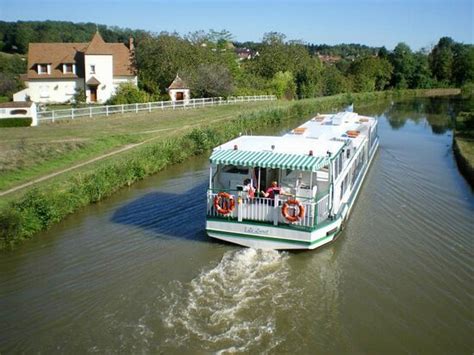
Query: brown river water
[(136, 273)]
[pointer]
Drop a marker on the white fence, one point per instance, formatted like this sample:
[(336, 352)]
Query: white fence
[(91, 111)]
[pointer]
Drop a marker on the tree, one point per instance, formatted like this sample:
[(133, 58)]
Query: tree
[(463, 64), (370, 73), (212, 80), (441, 59), (284, 86), (403, 66), (79, 97), (333, 81), (421, 77)]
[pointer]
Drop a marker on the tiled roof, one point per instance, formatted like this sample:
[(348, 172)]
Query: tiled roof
[(93, 81), (57, 54), (178, 83), (98, 46)]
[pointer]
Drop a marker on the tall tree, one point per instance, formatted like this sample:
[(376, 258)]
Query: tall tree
[(441, 59), (403, 65)]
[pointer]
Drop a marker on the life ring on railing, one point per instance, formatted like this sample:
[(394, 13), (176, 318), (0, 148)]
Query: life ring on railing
[(287, 216), (229, 203)]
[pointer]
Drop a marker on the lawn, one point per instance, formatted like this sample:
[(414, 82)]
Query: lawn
[(27, 153)]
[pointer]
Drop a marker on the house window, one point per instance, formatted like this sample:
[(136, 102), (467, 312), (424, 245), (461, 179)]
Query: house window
[(68, 68), (92, 69), (42, 68), (44, 91)]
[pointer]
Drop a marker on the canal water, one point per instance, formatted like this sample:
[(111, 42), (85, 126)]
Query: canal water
[(137, 274)]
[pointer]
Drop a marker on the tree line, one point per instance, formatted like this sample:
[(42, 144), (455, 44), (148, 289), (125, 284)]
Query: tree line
[(291, 69)]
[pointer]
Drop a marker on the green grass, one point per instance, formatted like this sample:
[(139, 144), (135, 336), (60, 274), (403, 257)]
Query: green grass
[(27, 153), (466, 148)]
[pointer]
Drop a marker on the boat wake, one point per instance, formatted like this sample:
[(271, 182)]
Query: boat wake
[(231, 307)]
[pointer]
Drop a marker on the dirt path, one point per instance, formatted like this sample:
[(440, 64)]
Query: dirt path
[(103, 156), (62, 171)]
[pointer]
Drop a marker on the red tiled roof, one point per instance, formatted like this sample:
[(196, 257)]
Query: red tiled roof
[(178, 83), (57, 54), (93, 81)]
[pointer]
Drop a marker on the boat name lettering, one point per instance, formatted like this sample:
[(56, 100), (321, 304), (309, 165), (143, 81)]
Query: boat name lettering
[(256, 230)]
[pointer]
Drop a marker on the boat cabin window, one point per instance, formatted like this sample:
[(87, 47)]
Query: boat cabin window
[(232, 169)]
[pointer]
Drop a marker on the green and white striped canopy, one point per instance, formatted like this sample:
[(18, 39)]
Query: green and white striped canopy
[(268, 160)]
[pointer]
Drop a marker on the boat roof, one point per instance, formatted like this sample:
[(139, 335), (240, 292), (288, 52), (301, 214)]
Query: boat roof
[(318, 139)]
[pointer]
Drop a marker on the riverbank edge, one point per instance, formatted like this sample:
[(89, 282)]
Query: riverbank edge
[(465, 166), (40, 208)]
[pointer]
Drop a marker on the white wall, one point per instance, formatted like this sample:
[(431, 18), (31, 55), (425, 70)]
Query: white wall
[(45, 91), (187, 94), (21, 95), (103, 72), (6, 112)]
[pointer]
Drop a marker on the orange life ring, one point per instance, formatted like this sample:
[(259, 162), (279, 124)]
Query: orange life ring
[(229, 207), (287, 216)]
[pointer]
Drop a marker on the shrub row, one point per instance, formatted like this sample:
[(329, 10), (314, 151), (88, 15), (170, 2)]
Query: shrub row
[(16, 122), (40, 208)]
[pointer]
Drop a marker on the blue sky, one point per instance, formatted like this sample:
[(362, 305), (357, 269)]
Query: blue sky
[(419, 23)]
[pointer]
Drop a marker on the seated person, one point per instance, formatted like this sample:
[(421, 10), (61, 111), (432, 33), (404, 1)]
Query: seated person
[(274, 189), (248, 188)]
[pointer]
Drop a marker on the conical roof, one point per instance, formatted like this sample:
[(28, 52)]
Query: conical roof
[(98, 46), (178, 83)]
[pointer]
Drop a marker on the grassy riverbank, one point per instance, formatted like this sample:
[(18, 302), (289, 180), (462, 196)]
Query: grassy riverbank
[(463, 145), (184, 134)]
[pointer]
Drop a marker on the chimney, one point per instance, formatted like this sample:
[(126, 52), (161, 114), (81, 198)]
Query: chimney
[(131, 46)]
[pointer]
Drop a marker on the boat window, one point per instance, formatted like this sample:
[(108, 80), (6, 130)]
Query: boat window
[(235, 170)]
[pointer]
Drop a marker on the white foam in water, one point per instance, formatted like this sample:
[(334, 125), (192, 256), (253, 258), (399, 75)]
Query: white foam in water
[(233, 306)]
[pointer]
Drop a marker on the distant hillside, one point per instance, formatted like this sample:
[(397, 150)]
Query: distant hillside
[(15, 36)]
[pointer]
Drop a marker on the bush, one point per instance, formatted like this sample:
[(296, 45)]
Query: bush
[(128, 94), (16, 122)]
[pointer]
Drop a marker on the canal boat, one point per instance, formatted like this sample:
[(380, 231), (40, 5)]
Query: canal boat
[(293, 191)]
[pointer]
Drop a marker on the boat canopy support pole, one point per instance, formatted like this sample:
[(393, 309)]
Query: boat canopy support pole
[(210, 177), (258, 184)]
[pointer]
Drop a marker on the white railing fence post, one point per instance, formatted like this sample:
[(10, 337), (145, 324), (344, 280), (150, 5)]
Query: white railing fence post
[(90, 111), (106, 110)]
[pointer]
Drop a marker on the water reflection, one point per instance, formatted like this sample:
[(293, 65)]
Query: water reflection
[(438, 113)]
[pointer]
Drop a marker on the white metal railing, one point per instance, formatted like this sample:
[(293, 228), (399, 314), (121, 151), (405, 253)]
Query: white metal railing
[(269, 210), (107, 110), (322, 209)]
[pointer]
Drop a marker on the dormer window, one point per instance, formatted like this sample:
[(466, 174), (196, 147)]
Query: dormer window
[(43, 68), (68, 68)]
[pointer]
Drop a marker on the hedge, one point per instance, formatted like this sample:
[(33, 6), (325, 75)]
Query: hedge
[(16, 122)]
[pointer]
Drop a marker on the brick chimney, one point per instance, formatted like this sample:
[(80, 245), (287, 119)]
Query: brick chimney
[(131, 46)]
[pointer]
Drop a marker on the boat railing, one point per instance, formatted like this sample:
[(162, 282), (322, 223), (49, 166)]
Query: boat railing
[(269, 210)]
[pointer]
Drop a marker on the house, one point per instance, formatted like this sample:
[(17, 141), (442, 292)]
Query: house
[(56, 71), (179, 90), (329, 59), (246, 53), (19, 109)]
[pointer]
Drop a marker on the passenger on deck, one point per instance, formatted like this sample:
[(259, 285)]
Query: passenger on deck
[(273, 190), (248, 188)]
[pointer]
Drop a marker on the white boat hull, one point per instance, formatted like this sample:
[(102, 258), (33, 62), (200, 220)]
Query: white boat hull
[(262, 236)]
